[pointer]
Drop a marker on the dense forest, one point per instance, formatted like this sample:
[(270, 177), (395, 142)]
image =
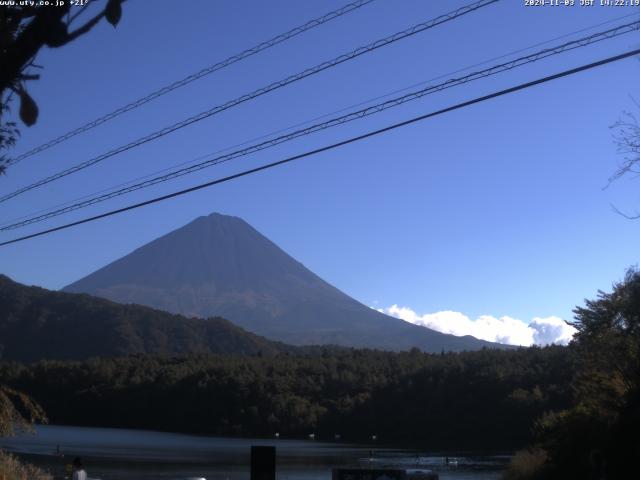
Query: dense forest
[(476, 400)]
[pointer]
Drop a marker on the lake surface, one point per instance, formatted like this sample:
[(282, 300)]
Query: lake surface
[(120, 454)]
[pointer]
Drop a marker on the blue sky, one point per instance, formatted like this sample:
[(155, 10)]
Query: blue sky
[(497, 209)]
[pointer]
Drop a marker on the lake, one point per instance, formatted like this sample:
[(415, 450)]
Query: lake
[(121, 454)]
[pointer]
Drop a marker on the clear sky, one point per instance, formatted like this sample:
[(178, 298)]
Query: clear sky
[(497, 209)]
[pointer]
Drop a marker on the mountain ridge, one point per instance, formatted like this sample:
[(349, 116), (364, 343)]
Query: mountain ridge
[(37, 324), (219, 265)]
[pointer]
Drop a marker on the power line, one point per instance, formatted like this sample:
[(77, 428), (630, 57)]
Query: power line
[(306, 122), (371, 110), (394, 126), (195, 76), (273, 86), (484, 62)]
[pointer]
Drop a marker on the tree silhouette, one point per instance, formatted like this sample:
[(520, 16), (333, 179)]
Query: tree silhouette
[(627, 138), (24, 30)]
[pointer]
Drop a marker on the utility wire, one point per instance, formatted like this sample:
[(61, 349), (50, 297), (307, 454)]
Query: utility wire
[(195, 76), (261, 91), (371, 110), (348, 141), (320, 117)]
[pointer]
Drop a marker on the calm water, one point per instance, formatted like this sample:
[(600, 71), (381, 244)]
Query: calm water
[(119, 454)]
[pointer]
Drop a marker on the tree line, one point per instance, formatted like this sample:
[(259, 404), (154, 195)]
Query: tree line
[(475, 400)]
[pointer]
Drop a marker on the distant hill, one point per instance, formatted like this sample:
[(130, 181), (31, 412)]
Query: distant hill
[(220, 266), (41, 324)]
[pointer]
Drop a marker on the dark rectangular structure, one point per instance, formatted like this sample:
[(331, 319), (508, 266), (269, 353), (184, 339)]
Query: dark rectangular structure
[(263, 463), (368, 474)]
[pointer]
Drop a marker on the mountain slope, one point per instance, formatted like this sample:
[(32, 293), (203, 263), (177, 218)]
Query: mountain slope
[(220, 265), (40, 324)]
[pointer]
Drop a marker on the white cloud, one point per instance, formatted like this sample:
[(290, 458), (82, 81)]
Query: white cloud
[(508, 330), (551, 330)]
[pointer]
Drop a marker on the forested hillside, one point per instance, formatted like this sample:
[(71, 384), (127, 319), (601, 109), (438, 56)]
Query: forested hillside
[(36, 323), (477, 400)]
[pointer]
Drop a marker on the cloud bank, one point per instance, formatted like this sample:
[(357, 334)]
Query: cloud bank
[(507, 330)]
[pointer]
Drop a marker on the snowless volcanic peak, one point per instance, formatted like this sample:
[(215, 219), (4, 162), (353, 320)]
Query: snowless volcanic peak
[(220, 265)]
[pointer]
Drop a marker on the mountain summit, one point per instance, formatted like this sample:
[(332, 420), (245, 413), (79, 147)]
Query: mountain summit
[(221, 266)]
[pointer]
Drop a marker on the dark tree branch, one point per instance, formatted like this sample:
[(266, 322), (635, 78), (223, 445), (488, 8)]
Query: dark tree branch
[(625, 215), (80, 11), (24, 30), (85, 28), (627, 139)]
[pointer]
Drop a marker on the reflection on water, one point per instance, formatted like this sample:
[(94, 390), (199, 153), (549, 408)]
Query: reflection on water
[(119, 454)]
